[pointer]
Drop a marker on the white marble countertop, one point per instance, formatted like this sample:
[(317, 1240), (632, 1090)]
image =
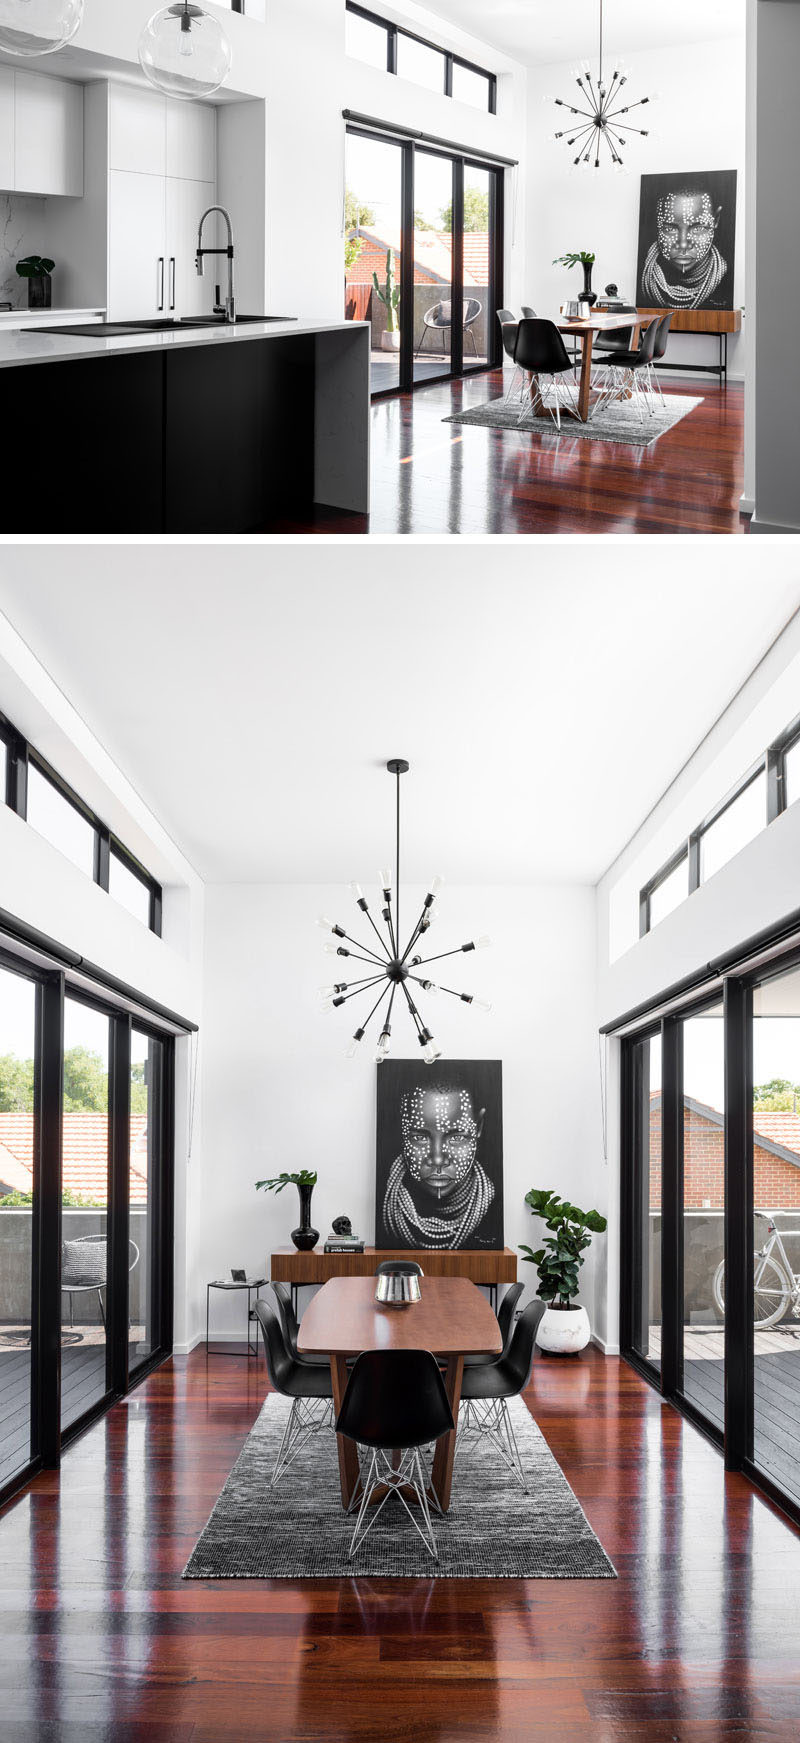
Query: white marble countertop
[(47, 317), (22, 346)]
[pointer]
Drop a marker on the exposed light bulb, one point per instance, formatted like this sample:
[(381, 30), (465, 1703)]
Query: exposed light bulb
[(436, 884), (431, 1052), (481, 1004), (325, 923), (185, 43), (352, 1048), (385, 880), (429, 988), (326, 1006), (357, 892), (326, 992), (484, 942), (382, 1048)]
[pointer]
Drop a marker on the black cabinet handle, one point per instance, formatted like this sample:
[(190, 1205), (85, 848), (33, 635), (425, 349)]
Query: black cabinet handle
[(172, 281), (160, 283)]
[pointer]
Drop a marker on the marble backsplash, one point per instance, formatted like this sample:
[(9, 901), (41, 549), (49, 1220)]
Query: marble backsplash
[(23, 230)]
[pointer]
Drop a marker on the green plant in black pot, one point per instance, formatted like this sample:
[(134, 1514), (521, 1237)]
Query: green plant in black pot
[(564, 1328), (37, 271), (585, 259), (305, 1237)]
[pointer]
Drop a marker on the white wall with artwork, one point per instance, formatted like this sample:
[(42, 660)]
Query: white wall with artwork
[(278, 1093), (697, 125)]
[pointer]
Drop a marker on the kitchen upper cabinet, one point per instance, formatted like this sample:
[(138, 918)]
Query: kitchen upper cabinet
[(137, 247), (137, 130), (6, 128), (188, 294), (191, 140), (48, 135)]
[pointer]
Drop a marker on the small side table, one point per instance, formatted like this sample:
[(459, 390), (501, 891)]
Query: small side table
[(251, 1284)]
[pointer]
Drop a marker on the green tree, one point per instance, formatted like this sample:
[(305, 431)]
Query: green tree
[(16, 1084), (85, 1082), (138, 1089), (777, 1096), (357, 214), (476, 211), (421, 222)]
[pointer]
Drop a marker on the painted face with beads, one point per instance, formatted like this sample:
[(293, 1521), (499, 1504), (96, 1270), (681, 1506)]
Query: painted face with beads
[(687, 223), (440, 1137)]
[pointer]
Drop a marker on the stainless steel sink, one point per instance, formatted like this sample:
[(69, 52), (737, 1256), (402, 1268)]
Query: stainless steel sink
[(125, 329)]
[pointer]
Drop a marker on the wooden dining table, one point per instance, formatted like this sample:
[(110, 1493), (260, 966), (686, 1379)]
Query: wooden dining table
[(452, 1319), (585, 330)]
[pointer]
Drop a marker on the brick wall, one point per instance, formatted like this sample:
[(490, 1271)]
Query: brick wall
[(776, 1182)]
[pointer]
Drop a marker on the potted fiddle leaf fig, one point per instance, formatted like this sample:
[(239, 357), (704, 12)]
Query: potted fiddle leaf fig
[(564, 1326), (305, 1237), (37, 271)]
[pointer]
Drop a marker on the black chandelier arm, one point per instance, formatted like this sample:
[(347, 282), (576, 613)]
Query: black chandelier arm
[(353, 956), (625, 127), (560, 104), (460, 950), (419, 1025), (624, 107), (582, 137), (378, 1001), (378, 935), (372, 955), (417, 932), (436, 986), (366, 980), (346, 997)]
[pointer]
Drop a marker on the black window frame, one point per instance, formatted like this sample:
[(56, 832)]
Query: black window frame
[(53, 986), (772, 763), (450, 59), (20, 756)]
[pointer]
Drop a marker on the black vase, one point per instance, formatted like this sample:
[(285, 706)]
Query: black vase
[(588, 296), (40, 291), (305, 1237)]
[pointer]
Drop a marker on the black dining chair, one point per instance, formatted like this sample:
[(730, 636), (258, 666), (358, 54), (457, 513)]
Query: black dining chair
[(628, 375), (540, 351), (485, 1391), (399, 1268), (659, 351), (308, 1385), (395, 1403), (528, 314), (290, 1326), (505, 1320), (606, 345), (508, 330)]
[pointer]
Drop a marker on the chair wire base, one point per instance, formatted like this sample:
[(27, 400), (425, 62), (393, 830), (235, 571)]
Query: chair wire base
[(305, 1420), (490, 1418), (409, 1474), (563, 396), (619, 383)]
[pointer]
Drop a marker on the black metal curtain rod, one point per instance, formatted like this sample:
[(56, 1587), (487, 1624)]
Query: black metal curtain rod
[(393, 127), (63, 958)]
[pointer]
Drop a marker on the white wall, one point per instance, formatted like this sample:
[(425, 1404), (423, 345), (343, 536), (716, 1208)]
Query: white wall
[(698, 124), (277, 1092)]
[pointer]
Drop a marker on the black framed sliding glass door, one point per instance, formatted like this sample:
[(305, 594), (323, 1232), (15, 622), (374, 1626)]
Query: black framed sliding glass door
[(86, 1122), (423, 258), (714, 1149)]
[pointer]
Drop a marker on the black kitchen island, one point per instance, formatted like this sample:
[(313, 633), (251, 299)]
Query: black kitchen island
[(216, 430)]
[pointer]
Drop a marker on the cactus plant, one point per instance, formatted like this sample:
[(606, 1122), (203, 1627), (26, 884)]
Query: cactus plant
[(390, 295)]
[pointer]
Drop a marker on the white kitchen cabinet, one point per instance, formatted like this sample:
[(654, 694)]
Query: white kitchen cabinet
[(6, 128), (187, 294), (137, 130), (48, 135), (137, 246), (191, 140)]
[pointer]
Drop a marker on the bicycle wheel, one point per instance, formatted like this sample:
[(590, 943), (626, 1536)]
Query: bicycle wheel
[(772, 1293)]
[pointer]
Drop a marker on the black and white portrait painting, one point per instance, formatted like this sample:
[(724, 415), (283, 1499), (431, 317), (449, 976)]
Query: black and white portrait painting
[(687, 237), (440, 1154)]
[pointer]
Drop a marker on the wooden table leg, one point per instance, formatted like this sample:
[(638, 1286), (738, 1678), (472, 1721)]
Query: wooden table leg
[(584, 393), (442, 1476), (349, 1471)]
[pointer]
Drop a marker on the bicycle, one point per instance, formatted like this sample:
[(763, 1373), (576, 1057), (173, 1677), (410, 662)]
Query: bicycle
[(776, 1287)]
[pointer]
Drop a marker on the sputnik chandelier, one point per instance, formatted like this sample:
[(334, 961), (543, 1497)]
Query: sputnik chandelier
[(393, 969), (599, 118)]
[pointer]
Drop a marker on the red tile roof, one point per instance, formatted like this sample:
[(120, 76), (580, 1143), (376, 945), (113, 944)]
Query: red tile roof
[(85, 1141), (433, 257), (779, 1126)]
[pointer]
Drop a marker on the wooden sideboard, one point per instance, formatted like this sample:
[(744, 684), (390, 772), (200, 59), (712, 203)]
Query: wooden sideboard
[(717, 322), (489, 1269)]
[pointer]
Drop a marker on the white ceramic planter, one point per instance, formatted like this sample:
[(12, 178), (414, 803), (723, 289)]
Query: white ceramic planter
[(563, 1333), (390, 341)]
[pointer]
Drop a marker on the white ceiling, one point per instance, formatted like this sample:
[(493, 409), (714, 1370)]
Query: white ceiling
[(545, 695), (540, 32)]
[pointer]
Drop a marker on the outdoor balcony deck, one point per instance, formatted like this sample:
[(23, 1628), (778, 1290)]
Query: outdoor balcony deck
[(776, 1384)]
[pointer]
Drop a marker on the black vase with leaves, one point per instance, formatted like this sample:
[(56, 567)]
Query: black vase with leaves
[(37, 269), (306, 1236), (588, 295)]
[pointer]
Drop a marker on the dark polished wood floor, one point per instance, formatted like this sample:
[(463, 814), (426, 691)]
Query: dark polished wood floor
[(100, 1640), (429, 477)]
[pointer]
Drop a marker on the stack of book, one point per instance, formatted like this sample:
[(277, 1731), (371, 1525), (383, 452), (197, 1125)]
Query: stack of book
[(343, 1244)]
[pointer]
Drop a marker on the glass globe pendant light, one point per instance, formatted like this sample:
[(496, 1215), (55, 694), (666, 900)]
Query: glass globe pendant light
[(34, 27), (184, 51)]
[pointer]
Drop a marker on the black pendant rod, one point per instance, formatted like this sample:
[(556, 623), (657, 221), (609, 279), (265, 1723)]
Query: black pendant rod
[(397, 856)]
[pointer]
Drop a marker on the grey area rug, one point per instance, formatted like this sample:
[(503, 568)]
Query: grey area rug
[(618, 423), (299, 1530)]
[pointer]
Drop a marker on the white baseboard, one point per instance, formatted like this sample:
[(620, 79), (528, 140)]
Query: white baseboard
[(747, 505), (608, 1349), (770, 526)]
